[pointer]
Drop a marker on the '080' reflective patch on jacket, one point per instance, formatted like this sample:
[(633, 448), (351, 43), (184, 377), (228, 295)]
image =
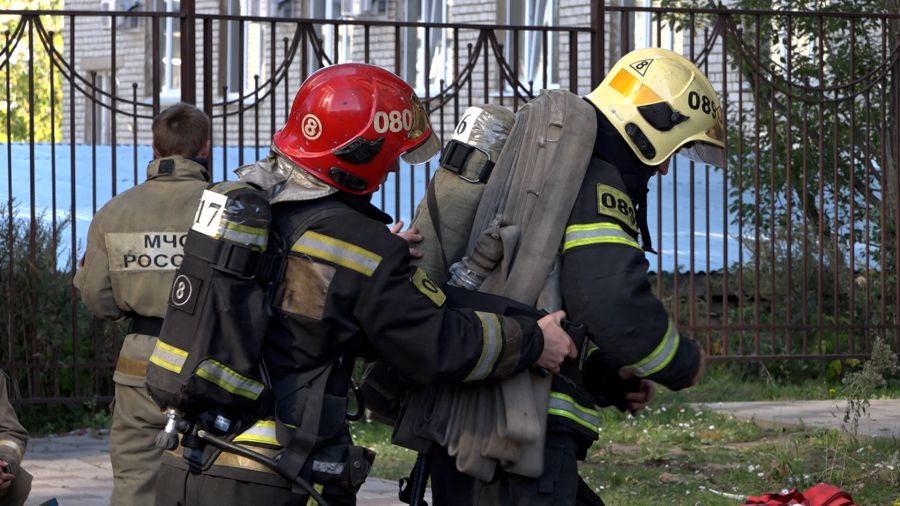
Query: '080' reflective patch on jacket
[(605, 286)]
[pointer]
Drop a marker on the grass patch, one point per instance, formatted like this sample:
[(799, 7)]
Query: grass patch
[(672, 453), (688, 453), (755, 382), (43, 421)]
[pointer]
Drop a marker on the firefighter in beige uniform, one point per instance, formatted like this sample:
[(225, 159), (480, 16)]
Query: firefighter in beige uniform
[(15, 482), (134, 246)]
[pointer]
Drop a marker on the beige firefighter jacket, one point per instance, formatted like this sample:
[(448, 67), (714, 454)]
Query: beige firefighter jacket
[(134, 246), (13, 437)]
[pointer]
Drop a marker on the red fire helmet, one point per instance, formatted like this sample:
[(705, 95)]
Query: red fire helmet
[(350, 123)]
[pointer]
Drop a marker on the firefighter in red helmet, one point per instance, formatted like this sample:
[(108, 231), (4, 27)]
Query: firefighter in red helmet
[(347, 291)]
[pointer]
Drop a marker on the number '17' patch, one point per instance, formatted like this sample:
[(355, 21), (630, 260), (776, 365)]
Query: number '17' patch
[(616, 204)]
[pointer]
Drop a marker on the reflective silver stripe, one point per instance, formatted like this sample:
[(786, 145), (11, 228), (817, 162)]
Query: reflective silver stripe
[(263, 431), (661, 356), (566, 407), (335, 468), (14, 445), (168, 357), (492, 344), (228, 379), (251, 236), (596, 233), (337, 251)]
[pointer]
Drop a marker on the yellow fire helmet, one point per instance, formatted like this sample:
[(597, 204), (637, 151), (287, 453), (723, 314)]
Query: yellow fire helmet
[(661, 104)]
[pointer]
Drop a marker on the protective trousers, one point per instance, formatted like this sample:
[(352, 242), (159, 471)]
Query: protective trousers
[(135, 458), (558, 484)]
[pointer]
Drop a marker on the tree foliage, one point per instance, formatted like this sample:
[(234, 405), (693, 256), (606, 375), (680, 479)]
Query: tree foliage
[(811, 101), (20, 60)]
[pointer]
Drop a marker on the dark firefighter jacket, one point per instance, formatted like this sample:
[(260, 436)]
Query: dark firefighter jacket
[(605, 286), (348, 290)]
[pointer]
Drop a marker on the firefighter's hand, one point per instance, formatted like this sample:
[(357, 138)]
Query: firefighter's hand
[(410, 235), (636, 400), (557, 344), (6, 478)]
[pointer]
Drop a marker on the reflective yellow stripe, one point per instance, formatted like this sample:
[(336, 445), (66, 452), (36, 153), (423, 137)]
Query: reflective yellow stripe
[(597, 233), (168, 357), (318, 488), (337, 251), (228, 459), (661, 356), (591, 348), (131, 366), (228, 379), (14, 445), (263, 431), (566, 407), (491, 345), (255, 237)]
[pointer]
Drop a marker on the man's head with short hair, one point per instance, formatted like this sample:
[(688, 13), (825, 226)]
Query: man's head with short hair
[(182, 129)]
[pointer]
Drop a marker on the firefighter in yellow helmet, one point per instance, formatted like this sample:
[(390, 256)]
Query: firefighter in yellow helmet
[(652, 105)]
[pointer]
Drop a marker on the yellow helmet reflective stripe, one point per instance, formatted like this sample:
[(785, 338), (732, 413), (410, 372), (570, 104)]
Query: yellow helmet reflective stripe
[(661, 103)]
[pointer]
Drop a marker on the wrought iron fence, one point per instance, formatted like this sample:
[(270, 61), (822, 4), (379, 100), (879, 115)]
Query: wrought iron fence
[(788, 253)]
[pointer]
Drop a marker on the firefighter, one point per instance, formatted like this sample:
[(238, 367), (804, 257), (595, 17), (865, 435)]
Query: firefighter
[(653, 104), (15, 481), (134, 246), (347, 291)]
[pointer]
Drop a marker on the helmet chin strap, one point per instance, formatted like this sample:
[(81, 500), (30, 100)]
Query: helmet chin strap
[(635, 174), (636, 180)]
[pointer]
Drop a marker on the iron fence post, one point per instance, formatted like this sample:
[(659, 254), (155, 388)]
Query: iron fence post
[(188, 52)]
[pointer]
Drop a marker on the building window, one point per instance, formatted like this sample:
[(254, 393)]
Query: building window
[(649, 33), (242, 64), (432, 47), (336, 9), (169, 49), (534, 66), (97, 118)]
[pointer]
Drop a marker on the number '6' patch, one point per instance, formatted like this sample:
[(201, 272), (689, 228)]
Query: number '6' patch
[(616, 204), (428, 288)]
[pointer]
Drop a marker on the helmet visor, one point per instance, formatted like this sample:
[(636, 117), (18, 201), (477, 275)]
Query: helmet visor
[(423, 152), (703, 152)]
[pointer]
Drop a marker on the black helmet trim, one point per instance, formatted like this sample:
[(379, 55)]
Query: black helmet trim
[(640, 140), (360, 151), (661, 116)]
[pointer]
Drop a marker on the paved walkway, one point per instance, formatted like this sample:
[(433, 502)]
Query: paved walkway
[(75, 468), (882, 420)]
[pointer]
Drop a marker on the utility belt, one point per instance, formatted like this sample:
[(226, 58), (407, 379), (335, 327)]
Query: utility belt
[(335, 462)]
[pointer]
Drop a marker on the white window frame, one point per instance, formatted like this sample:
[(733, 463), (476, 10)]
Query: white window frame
[(170, 64), (252, 53), (331, 9), (644, 33), (539, 13), (441, 51), (99, 116)]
